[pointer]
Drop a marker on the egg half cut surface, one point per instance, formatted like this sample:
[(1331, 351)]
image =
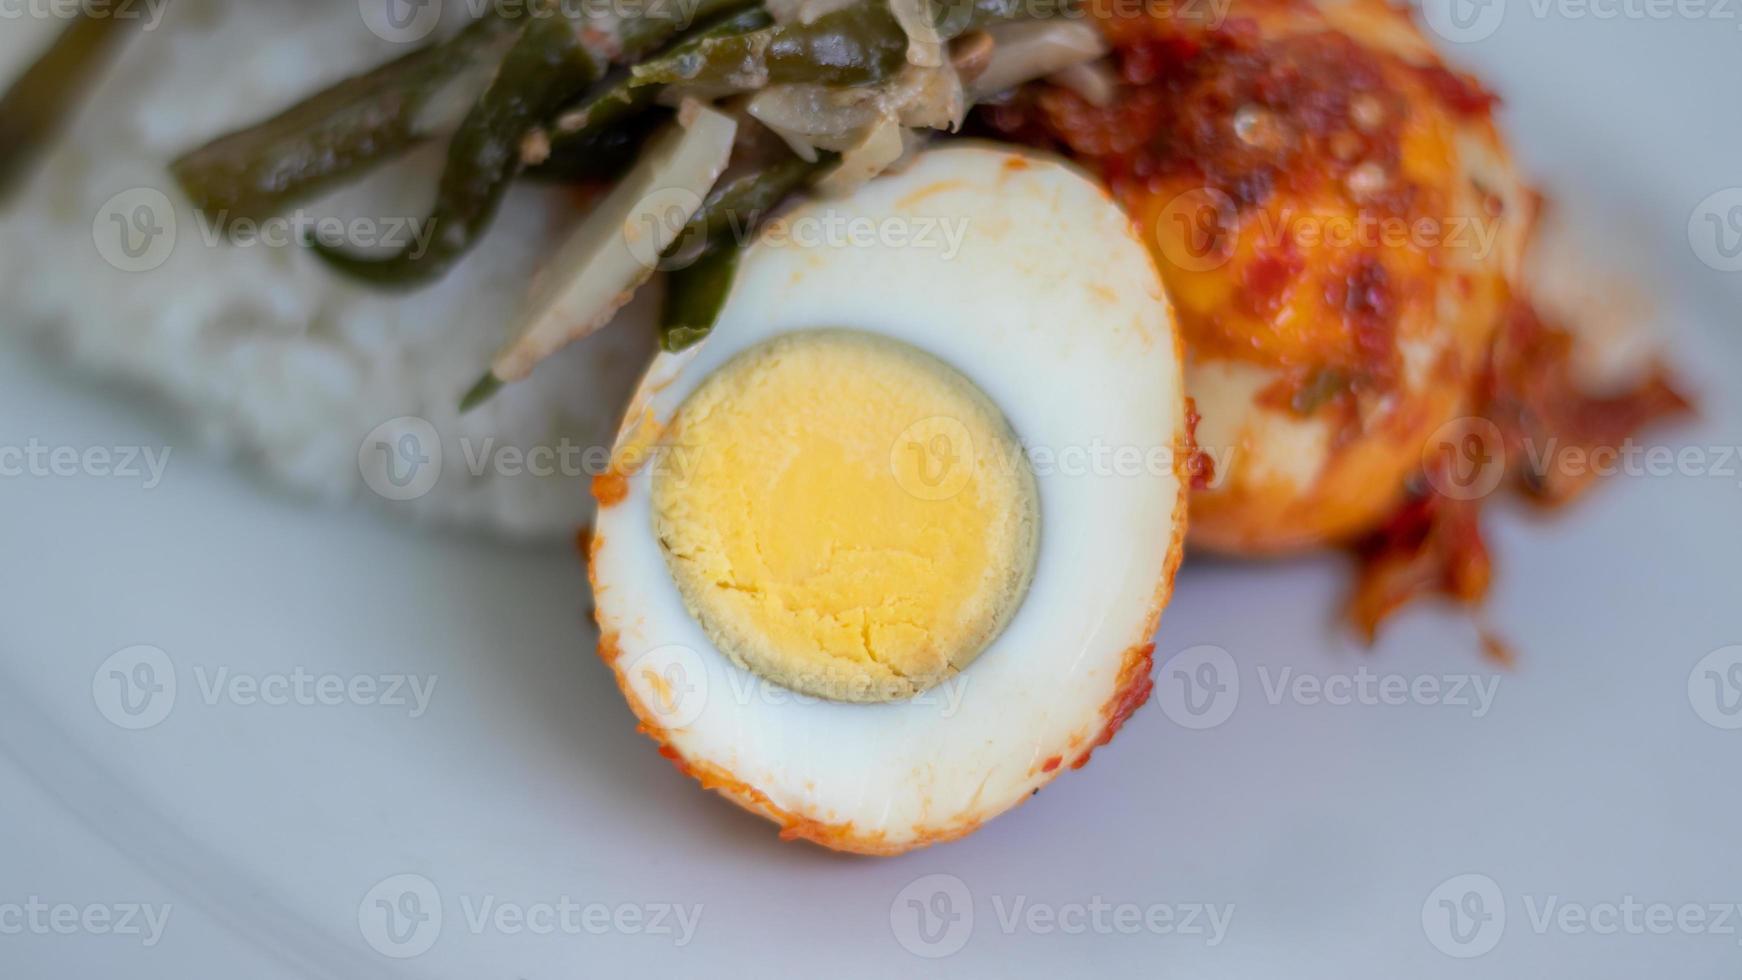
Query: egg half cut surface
[(885, 553)]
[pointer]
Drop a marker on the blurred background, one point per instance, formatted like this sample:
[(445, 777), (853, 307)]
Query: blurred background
[(246, 733)]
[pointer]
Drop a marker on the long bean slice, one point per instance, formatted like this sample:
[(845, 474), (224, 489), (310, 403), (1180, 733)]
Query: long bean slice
[(957, 17), (342, 131), (736, 206), (715, 45), (599, 155), (334, 135), (717, 234), (50, 90), (587, 279), (856, 45), (694, 297), (546, 68), (665, 19), (623, 103), (605, 110)]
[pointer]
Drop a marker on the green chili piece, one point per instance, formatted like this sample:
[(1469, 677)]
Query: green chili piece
[(334, 135), (665, 19), (585, 138), (856, 45), (544, 69), (592, 156), (694, 297), (957, 17), (484, 389), (49, 92), (736, 206), (604, 111), (727, 45), (719, 232)]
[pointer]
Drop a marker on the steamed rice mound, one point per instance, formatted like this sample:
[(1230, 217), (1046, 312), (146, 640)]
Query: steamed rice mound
[(269, 355)]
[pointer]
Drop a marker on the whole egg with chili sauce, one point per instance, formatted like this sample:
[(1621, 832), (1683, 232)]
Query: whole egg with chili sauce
[(1339, 226)]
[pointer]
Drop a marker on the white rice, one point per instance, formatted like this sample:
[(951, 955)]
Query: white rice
[(270, 355)]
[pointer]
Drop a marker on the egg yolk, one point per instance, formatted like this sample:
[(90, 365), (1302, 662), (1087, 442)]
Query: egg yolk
[(846, 515)]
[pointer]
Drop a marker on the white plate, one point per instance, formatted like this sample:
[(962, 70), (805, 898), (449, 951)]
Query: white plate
[(1333, 831)]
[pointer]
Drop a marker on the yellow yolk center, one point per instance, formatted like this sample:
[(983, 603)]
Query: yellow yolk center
[(846, 515)]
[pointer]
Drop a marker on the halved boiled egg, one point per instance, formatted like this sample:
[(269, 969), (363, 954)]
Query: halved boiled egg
[(884, 554)]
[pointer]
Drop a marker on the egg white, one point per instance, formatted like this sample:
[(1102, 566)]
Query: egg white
[(1055, 310)]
